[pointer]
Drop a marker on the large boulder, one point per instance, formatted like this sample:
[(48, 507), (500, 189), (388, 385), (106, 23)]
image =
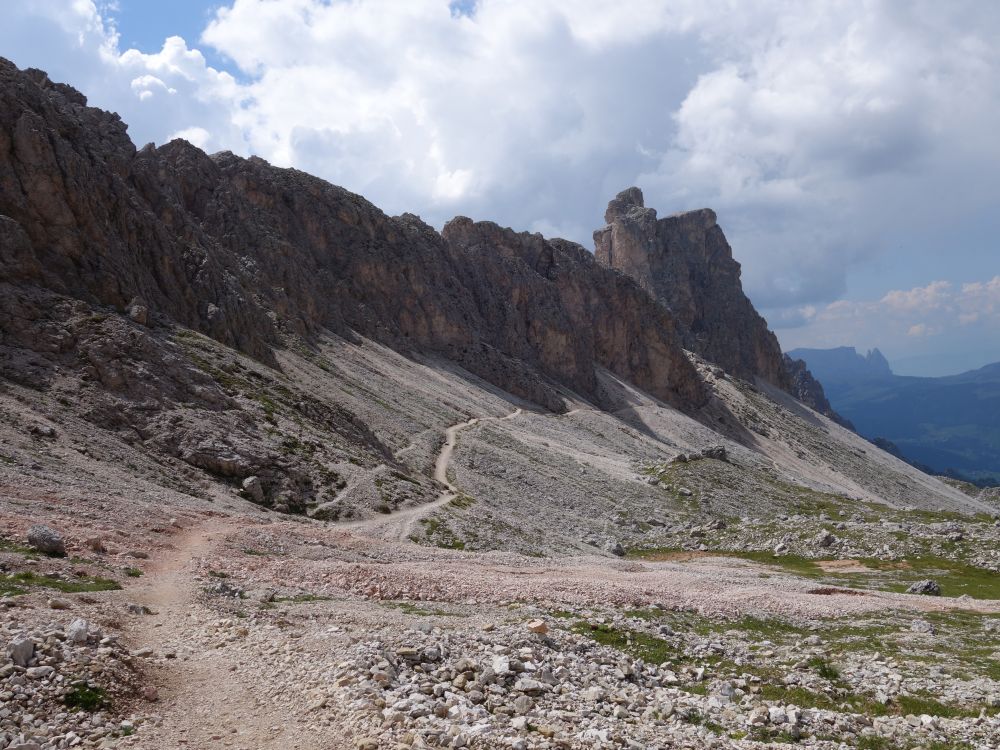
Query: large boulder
[(46, 540), (927, 588)]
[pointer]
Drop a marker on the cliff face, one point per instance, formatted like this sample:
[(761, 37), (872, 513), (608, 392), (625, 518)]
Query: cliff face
[(249, 254), (810, 392), (565, 308), (685, 262)]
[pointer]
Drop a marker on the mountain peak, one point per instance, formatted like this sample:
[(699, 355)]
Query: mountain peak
[(684, 261), (628, 201)]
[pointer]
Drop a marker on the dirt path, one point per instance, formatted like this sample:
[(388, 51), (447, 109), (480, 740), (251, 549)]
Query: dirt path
[(400, 524), (205, 698)]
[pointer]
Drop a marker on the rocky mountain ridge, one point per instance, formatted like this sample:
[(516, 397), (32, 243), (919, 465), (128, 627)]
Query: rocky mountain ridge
[(108, 249), (686, 264), (278, 470), (245, 253)]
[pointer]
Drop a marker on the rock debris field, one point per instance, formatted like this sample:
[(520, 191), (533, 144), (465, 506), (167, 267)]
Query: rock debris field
[(246, 634)]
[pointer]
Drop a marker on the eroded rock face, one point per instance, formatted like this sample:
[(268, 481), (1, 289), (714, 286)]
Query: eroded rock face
[(569, 313), (809, 391), (685, 262), (249, 254)]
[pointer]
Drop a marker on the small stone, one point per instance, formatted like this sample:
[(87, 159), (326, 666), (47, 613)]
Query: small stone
[(254, 489), (523, 704), (529, 686), (138, 312), (538, 626), (825, 539), (95, 544), (57, 603), (921, 626), (78, 631), (615, 548), (150, 693)]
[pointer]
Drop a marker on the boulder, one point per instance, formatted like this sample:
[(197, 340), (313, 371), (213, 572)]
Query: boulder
[(46, 540), (78, 631), (21, 650), (927, 588)]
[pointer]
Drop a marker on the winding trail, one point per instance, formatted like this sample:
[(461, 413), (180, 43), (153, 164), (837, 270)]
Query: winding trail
[(401, 523), (204, 696)]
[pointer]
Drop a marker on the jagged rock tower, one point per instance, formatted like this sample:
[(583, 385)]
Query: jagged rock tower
[(685, 262)]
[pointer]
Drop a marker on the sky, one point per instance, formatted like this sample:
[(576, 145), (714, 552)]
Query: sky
[(849, 147)]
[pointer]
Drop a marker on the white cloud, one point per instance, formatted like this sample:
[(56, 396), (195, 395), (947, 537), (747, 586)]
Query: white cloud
[(904, 319), (158, 94), (823, 133), (934, 296), (196, 136)]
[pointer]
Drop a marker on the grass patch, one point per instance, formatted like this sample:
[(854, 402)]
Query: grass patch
[(462, 501), (84, 697), (133, 572), (440, 534), (19, 583), (824, 668), (925, 704), (640, 645), (410, 608), (9, 545), (873, 742), (955, 576)]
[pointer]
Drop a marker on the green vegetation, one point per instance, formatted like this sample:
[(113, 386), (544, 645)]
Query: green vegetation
[(133, 572), (823, 668), (85, 697), (9, 545), (462, 501), (440, 534), (413, 609), (20, 583), (873, 742), (956, 577), (640, 645), (302, 598)]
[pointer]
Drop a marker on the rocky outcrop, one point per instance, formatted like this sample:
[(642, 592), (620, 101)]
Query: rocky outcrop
[(685, 262), (809, 391), (564, 310), (249, 254)]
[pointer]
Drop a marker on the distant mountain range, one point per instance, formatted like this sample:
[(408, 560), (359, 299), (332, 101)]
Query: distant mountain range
[(948, 424)]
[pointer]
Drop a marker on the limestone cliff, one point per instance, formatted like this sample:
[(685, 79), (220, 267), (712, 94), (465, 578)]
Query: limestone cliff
[(250, 255), (685, 262)]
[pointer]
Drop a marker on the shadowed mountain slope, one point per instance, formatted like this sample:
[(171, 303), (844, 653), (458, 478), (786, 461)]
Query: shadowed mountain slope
[(218, 325)]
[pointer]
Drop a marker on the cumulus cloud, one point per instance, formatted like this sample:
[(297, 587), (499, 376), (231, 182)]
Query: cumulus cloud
[(825, 134), (904, 321), (159, 94), (934, 296)]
